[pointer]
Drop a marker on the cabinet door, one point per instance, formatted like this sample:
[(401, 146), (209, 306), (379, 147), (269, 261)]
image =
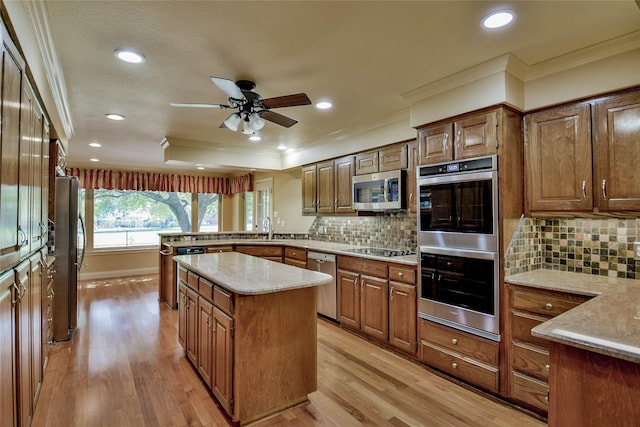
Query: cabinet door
[(35, 309), (192, 326), (25, 171), (309, 189), (434, 144), (558, 159), (367, 162), (12, 77), (403, 316), (476, 135), (23, 344), (205, 339), (222, 373), (392, 158), (325, 187), (183, 304), (344, 171), (617, 153), (374, 307), (349, 299), (35, 186), (7, 347), (168, 279), (412, 169)]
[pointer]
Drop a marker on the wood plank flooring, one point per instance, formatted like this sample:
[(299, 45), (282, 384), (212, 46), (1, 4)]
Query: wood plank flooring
[(124, 367)]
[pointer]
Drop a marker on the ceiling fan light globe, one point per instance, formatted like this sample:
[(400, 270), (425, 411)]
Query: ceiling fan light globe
[(233, 121), (256, 121), (246, 128)]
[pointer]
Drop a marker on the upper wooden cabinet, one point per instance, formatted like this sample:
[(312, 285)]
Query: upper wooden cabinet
[(558, 159), (473, 135), (412, 185), (326, 186), (386, 159), (617, 153), (583, 158)]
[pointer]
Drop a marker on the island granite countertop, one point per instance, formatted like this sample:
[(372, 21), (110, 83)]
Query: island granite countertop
[(249, 275), (608, 324)]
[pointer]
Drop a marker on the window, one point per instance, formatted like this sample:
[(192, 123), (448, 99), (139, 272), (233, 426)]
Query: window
[(208, 212), (248, 211), (134, 218)]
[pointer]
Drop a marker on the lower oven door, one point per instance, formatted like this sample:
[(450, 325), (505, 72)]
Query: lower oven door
[(460, 288)]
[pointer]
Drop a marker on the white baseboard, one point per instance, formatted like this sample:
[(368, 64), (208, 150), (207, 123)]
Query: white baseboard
[(117, 273)]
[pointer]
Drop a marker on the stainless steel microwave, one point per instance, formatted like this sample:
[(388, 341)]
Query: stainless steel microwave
[(379, 191)]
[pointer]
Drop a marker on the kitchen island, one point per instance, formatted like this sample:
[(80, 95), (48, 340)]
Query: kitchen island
[(248, 325)]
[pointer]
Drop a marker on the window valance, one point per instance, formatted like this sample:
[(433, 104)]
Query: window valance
[(151, 181)]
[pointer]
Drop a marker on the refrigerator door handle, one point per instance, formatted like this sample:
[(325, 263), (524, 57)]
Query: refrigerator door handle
[(84, 239)]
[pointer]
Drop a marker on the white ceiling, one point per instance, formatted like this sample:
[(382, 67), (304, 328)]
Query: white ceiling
[(362, 55)]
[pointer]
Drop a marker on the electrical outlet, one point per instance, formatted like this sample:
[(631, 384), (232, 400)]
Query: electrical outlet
[(636, 250)]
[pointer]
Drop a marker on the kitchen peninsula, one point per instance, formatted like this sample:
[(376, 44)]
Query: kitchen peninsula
[(249, 327)]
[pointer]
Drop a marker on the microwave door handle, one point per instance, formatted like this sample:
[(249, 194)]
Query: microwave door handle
[(386, 190)]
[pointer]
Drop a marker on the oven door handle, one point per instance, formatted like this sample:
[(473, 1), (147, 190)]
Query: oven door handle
[(463, 253)]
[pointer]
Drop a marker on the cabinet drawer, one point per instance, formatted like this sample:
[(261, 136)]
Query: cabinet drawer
[(182, 274), (402, 274), (192, 281), (296, 253), (470, 370), (261, 251), (295, 262), (206, 289), (521, 325), (548, 304), (223, 300), (530, 360), (530, 391), (460, 342), (217, 249), (363, 265)]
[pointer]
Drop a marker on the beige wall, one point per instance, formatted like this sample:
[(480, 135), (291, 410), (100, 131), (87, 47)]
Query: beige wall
[(105, 264)]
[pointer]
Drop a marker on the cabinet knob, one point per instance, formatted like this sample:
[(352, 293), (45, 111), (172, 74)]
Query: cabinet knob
[(547, 366), (548, 306), (454, 365), (400, 274), (454, 341)]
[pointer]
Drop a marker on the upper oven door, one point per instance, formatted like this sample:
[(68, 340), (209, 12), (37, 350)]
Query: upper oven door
[(459, 210)]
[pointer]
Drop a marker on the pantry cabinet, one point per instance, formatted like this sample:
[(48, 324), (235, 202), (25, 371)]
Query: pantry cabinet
[(582, 158)]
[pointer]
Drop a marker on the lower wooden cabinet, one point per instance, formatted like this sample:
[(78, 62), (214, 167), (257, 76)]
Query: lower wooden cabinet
[(191, 340), (296, 257), (8, 397), (403, 308), (529, 364), (206, 337), (222, 354), (23, 344), (272, 253)]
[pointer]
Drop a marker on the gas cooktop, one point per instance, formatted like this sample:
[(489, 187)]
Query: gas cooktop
[(380, 252)]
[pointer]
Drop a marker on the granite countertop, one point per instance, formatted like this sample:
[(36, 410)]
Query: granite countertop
[(313, 245), (249, 275), (608, 324)]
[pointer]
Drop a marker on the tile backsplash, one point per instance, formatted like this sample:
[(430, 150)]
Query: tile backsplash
[(591, 246), (389, 231)]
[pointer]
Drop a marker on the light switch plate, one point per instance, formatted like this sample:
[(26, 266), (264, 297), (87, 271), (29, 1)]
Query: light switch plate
[(636, 250)]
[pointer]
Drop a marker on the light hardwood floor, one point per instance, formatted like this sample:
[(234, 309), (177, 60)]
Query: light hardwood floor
[(124, 367)]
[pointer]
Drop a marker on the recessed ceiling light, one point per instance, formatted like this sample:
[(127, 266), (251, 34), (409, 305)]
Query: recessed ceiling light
[(94, 160), (128, 55), (201, 168), (497, 19), (254, 138), (116, 117), (281, 147), (290, 150), (323, 105), (95, 145)]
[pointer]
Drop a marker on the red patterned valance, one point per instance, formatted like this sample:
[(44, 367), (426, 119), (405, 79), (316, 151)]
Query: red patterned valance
[(150, 181)]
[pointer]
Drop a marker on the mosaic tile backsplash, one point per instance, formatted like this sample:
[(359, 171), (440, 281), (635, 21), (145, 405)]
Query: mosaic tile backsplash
[(390, 231), (592, 246)]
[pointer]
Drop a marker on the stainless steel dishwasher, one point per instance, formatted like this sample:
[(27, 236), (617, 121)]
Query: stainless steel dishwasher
[(327, 295)]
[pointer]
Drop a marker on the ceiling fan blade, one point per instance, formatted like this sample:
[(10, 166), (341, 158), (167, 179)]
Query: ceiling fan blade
[(192, 105), (229, 87), (287, 101), (277, 118)]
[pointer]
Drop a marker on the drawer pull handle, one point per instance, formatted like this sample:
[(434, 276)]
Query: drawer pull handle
[(548, 306), (454, 341), (547, 366), (400, 274), (454, 365)]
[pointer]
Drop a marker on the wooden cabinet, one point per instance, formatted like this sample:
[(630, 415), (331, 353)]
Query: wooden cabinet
[(374, 307), (348, 284), (272, 253), (8, 398), (218, 249), (386, 159), (296, 257), (412, 176), (326, 186), (472, 135), (222, 371), (617, 153), (528, 355), (465, 356), (403, 308), (47, 306), (168, 280), (23, 344), (591, 149), (205, 339), (11, 236), (35, 324), (191, 340)]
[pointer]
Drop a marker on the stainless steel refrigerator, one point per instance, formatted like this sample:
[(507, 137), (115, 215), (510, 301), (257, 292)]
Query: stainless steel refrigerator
[(69, 252)]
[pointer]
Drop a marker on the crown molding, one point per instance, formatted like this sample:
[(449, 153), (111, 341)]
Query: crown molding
[(40, 23)]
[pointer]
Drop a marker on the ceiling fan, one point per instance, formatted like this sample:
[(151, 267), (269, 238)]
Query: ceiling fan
[(253, 110)]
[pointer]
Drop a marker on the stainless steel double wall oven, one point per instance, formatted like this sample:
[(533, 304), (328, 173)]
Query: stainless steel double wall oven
[(458, 245)]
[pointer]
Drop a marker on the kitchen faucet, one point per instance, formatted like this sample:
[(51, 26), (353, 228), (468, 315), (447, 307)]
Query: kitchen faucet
[(266, 226)]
